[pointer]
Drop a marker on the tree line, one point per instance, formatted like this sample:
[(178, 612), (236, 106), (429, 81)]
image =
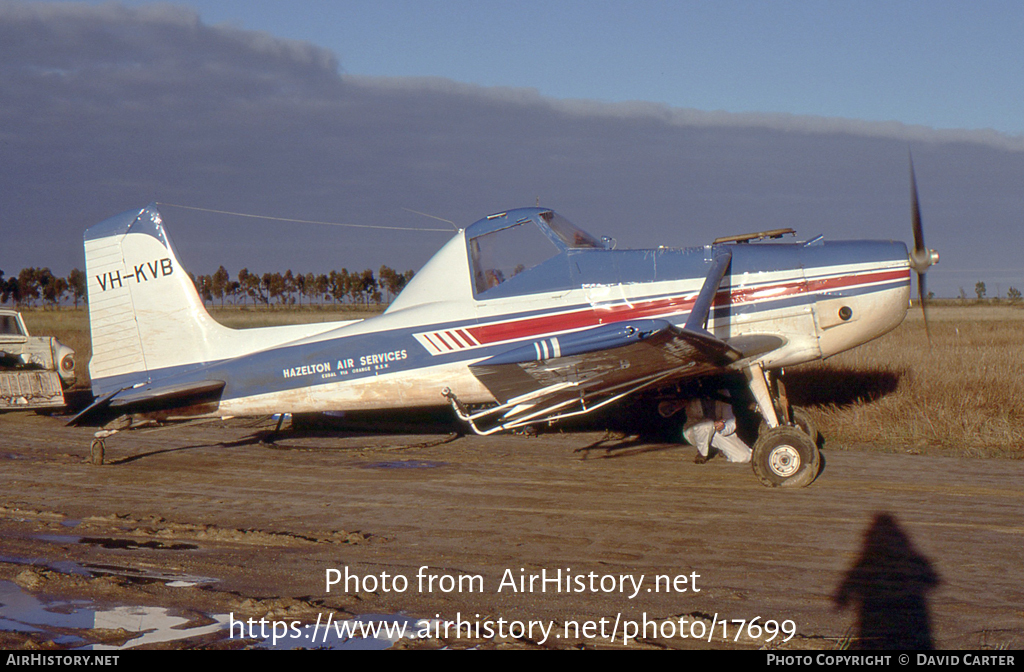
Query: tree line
[(40, 284), (290, 288), (35, 286), (1013, 294)]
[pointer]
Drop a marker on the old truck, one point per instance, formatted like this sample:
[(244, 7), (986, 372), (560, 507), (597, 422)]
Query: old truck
[(34, 370)]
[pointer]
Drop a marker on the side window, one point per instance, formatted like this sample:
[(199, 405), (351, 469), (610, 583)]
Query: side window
[(501, 255), (9, 325)]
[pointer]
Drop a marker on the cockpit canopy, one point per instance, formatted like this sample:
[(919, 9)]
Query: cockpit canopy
[(504, 245)]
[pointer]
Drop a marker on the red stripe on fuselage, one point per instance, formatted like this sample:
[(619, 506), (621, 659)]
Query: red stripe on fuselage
[(456, 336), (433, 343), (823, 284), (594, 316)]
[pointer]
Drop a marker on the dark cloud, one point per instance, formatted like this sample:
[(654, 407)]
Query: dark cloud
[(108, 108)]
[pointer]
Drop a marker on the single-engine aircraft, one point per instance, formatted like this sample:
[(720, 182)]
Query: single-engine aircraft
[(521, 318)]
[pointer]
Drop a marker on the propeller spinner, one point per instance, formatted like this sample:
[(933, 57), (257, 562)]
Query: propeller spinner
[(921, 257)]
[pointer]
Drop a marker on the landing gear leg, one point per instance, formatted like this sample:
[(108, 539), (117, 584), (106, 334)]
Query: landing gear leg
[(786, 453), (758, 382)]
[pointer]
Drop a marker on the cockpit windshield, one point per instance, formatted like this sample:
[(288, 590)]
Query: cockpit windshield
[(567, 231), (513, 242)]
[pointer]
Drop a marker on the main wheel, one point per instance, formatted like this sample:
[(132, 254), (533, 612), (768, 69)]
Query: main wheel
[(801, 420), (785, 457)]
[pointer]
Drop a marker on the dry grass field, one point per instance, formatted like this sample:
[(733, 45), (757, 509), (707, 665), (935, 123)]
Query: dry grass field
[(962, 396)]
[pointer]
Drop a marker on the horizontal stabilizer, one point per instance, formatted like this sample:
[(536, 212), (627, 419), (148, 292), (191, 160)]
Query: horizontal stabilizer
[(148, 398)]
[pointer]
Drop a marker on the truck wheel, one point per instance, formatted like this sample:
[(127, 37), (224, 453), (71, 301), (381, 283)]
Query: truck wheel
[(785, 457)]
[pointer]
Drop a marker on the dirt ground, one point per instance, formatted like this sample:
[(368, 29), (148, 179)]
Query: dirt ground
[(893, 550)]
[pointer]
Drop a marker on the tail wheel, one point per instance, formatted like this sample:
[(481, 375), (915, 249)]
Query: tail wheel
[(96, 452), (785, 457)]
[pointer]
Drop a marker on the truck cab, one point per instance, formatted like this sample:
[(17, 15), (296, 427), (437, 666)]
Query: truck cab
[(34, 370)]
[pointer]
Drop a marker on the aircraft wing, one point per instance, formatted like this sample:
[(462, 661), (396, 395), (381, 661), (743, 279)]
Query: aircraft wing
[(609, 359), (574, 374)]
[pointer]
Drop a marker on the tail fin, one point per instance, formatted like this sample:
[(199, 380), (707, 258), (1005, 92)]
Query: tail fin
[(145, 315)]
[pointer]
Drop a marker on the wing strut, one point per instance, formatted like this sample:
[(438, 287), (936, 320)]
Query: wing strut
[(520, 413), (698, 320)]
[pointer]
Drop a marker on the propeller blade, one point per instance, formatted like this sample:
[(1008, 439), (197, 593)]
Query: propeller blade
[(922, 297), (921, 258), (915, 212)]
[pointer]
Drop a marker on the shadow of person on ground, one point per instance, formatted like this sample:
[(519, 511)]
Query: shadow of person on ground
[(887, 587)]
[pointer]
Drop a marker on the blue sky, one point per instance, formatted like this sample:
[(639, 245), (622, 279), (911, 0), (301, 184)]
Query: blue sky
[(938, 63), (654, 123)]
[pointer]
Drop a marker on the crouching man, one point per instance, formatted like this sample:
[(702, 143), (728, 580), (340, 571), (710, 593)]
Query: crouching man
[(711, 424)]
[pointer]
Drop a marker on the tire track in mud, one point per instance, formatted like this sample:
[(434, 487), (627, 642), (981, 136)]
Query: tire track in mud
[(156, 527)]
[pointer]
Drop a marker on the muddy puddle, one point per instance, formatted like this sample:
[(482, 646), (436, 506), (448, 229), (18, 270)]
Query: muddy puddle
[(97, 570), (405, 464), (88, 625), (116, 543), (84, 624)]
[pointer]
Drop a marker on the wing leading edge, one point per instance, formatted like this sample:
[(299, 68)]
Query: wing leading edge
[(602, 357)]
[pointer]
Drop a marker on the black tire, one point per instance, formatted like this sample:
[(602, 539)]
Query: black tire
[(801, 420), (785, 457)]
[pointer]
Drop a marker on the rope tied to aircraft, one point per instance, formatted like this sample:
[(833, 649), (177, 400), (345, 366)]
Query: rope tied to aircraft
[(303, 221)]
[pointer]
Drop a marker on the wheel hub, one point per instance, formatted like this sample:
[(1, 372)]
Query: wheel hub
[(784, 461)]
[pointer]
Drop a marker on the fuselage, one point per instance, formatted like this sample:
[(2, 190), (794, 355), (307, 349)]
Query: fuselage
[(477, 297), (822, 299)]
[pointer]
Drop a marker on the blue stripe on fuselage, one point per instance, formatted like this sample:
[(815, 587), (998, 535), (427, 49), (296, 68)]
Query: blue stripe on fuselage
[(352, 357)]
